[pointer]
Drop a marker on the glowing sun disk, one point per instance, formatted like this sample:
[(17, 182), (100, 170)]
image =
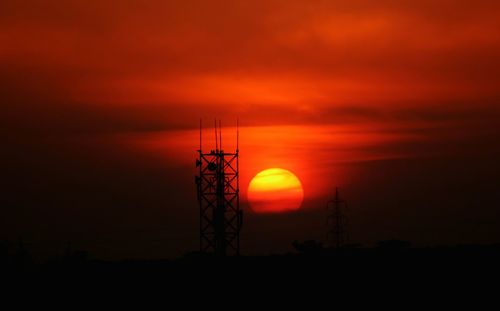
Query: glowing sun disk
[(275, 190)]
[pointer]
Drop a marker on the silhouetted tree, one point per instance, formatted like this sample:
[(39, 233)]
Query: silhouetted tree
[(308, 247)]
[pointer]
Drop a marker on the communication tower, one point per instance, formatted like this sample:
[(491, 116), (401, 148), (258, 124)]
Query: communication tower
[(337, 221), (217, 183)]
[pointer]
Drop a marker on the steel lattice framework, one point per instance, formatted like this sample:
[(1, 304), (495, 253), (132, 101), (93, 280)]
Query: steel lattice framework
[(218, 196), (337, 221)]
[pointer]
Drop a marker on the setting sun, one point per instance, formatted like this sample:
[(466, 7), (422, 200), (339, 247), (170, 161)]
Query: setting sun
[(275, 190)]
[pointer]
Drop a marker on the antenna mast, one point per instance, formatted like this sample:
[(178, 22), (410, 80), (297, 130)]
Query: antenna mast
[(337, 221), (220, 135), (218, 190), (215, 128)]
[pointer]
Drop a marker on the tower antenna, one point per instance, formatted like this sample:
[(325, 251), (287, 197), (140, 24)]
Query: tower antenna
[(337, 221), (220, 135), (200, 134), (218, 190), (215, 127)]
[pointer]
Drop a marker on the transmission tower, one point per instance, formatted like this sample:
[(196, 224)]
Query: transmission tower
[(217, 184), (337, 221)]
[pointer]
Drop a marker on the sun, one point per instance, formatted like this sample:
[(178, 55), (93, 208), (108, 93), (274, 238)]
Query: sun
[(275, 190)]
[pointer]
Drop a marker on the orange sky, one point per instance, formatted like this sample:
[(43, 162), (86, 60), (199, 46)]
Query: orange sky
[(150, 64)]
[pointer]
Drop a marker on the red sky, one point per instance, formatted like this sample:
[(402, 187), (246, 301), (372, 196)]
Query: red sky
[(355, 81), (150, 64)]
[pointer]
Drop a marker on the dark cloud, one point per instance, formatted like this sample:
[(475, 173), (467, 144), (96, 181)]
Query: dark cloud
[(97, 194)]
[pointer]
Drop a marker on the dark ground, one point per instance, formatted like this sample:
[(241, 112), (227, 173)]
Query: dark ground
[(392, 274), (392, 257)]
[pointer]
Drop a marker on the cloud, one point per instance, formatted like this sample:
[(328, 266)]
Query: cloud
[(318, 52)]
